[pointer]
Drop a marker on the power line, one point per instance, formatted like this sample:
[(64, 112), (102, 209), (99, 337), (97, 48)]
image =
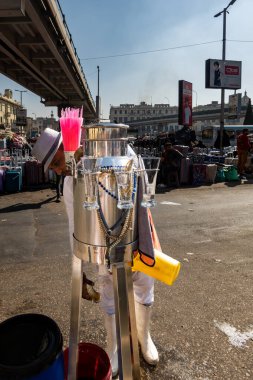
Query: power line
[(150, 51), (239, 40)]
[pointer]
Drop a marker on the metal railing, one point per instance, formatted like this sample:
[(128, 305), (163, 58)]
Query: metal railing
[(73, 46)]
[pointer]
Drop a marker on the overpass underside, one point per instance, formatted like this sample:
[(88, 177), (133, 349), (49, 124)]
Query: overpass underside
[(37, 51)]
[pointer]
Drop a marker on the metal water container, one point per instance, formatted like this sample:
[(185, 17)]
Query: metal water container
[(95, 230)]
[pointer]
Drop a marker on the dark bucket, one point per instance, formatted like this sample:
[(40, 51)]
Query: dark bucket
[(31, 348), (93, 363)]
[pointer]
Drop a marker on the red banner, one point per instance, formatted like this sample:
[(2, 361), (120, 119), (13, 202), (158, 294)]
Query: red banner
[(185, 103)]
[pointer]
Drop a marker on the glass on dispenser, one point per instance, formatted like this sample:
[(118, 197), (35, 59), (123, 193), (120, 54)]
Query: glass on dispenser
[(150, 166), (90, 183), (89, 164), (124, 180)]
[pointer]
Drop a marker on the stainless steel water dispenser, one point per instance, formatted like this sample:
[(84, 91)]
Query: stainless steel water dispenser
[(105, 185)]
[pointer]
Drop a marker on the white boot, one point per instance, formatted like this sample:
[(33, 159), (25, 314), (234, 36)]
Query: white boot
[(111, 350), (148, 349)]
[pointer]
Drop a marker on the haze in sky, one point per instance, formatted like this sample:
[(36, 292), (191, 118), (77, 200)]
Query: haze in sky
[(186, 29)]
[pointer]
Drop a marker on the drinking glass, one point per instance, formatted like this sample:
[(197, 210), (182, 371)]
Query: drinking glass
[(91, 191), (124, 181), (148, 176), (90, 183), (151, 162), (88, 163)]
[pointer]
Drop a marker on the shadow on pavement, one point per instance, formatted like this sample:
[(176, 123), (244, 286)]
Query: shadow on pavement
[(233, 183), (26, 206), (246, 181)]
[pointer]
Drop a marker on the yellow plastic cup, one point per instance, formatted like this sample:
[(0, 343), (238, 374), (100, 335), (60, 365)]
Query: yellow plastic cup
[(166, 269)]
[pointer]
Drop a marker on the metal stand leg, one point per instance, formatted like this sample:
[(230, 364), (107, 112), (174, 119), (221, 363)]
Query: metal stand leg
[(128, 354), (77, 270)]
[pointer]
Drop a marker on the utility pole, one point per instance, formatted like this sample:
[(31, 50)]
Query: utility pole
[(98, 79), (224, 12), (223, 90), (98, 100), (35, 118)]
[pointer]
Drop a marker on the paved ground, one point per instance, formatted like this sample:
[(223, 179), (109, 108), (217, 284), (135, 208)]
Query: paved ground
[(202, 325)]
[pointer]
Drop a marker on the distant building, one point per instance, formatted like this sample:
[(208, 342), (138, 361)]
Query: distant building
[(8, 109), (125, 113), (245, 99), (153, 119), (37, 125)]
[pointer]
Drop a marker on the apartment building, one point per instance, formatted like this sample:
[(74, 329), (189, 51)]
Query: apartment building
[(125, 113), (8, 109)]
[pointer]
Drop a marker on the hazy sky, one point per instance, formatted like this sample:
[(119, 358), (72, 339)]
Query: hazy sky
[(101, 28)]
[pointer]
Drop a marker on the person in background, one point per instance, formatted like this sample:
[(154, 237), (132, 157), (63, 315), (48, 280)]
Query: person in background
[(57, 164), (200, 144), (59, 186), (225, 140), (49, 150), (243, 147), (170, 162), (186, 136)]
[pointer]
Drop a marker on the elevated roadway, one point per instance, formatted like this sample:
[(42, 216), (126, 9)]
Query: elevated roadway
[(37, 51)]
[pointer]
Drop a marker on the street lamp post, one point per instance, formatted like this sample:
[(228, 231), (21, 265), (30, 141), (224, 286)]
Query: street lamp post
[(167, 99), (21, 92), (196, 97), (224, 12), (98, 105)]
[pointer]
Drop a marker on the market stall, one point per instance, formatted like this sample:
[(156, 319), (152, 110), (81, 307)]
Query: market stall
[(18, 169)]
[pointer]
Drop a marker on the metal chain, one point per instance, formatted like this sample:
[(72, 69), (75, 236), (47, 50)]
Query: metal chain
[(127, 224)]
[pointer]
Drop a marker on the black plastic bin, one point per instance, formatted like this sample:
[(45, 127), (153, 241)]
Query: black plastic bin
[(31, 348)]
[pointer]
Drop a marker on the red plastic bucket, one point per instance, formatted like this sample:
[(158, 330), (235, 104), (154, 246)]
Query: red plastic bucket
[(93, 363)]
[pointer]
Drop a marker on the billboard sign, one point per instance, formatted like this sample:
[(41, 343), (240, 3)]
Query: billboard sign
[(234, 106), (184, 103), (21, 117), (223, 74)]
